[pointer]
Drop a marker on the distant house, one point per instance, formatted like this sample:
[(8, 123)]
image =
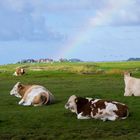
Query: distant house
[(69, 60), (74, 60), (47, 60)]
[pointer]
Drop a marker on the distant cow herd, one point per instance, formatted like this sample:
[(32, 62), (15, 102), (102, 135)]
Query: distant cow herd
[(84, 108)]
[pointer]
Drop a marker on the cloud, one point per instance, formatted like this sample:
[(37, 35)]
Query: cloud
[(128, 15), (54, 5), (25, 20), (117, 13), (34, 19), (13, 5)]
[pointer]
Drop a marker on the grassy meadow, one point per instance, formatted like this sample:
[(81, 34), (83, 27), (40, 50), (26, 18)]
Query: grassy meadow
[(53, 122)]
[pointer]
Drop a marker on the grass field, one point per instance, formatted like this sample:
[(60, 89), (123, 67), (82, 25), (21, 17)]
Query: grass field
[(54, 122)]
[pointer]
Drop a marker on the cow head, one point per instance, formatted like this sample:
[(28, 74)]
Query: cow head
[(128, 74), (15, 90), (71, 104)]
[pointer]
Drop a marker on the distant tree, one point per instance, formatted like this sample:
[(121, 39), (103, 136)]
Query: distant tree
[(63, 60), (133, 59)]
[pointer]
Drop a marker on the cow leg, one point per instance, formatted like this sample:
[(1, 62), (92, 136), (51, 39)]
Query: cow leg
[(104, 119), (127, 92), (27, 103), (15, 74), (37, 104), (21, 102), (112, 118), (37, 101), (79, 116)]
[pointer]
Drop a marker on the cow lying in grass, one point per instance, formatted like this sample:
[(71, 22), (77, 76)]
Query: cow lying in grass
[(132, 85), (87, 108), (19, 71), (35, 95)]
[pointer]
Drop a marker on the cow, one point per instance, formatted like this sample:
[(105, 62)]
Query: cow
[(132, 85), (87, 108), (35, 95), (19, 71)]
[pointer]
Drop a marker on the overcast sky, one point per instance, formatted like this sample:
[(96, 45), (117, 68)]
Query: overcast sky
[(90, 30)]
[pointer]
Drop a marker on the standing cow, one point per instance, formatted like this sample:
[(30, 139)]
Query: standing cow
[(35, 95), (132, 85)]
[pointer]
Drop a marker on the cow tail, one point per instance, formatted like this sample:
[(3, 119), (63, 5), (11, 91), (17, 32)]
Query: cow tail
[(127, 114), (44, 98)]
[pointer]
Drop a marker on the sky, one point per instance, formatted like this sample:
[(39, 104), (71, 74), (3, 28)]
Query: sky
[(90, 30)]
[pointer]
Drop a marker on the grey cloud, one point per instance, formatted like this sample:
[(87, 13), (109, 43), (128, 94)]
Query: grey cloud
[(24, 20)]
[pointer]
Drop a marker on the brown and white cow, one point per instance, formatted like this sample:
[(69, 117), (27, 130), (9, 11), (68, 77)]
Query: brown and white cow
[(35, 95), (19, 71), (87, 108)]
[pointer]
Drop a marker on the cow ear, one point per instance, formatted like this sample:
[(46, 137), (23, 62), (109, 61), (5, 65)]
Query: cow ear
[(20, 86), (76, 100)]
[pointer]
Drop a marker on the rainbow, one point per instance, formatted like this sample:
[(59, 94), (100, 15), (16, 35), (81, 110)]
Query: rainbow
[(102, 17)]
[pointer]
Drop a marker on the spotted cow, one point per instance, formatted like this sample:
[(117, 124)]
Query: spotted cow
[(87, 108)]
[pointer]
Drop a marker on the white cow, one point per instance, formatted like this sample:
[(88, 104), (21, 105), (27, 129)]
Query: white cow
[(132, 85), (35, 95)]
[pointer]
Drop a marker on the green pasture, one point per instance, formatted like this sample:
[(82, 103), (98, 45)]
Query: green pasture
[(54, 122)]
